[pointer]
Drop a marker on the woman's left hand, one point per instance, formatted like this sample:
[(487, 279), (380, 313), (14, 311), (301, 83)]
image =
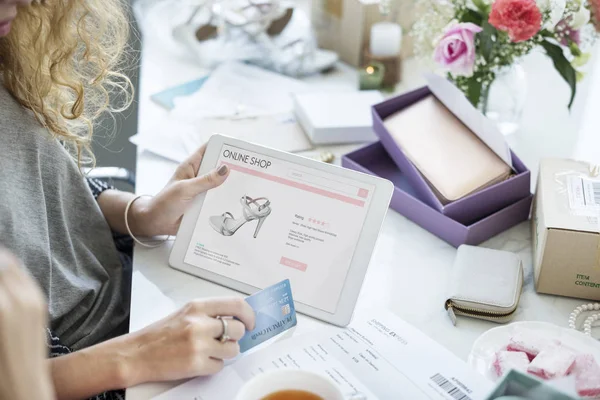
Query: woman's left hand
[(162, 214)]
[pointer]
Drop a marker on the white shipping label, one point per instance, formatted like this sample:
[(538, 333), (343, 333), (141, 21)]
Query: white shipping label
[(584, 195)]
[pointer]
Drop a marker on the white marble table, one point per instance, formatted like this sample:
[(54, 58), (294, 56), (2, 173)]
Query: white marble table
[(410, 266)]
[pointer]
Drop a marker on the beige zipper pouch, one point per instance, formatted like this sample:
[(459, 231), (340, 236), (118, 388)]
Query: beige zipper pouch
[(485, 284), (451, 158)]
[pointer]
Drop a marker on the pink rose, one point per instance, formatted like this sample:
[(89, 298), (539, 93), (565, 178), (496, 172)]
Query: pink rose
[(522, 19), (456, 49)]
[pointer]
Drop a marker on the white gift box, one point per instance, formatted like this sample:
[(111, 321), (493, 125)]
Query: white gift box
[(338, 117)]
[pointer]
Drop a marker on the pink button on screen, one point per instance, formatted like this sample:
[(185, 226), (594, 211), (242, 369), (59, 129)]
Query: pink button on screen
[(364, 193), (293, 264)]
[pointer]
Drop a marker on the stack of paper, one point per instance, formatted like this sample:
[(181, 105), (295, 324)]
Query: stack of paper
[(278, 131), (237, 100), (237, 90), (165, 140)]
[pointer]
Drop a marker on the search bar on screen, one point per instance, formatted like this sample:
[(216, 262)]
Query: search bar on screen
[(324, 183)]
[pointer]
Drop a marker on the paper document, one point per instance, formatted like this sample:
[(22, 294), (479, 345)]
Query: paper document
[(165, 139), (281, 132), (177, 140), (238, 90), (378, 355), (237, 100), (149, 303), (169, 148)]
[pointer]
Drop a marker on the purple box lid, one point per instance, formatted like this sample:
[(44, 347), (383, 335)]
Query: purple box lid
[(469, 209), (374, 160)]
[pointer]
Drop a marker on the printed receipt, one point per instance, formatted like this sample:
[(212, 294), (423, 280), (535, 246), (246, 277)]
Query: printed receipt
[(380, 356)]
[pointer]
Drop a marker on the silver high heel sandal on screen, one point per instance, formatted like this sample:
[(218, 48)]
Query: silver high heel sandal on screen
[(252, 209)]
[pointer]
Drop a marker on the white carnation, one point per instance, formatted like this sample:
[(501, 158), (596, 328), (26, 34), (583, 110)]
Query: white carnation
[(580, 18), (556, 10)]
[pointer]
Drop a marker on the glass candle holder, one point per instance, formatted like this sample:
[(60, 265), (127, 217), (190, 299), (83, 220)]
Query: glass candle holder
[(371, 76)]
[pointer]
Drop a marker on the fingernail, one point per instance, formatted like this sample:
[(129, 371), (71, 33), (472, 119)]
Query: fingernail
[(222, 171)]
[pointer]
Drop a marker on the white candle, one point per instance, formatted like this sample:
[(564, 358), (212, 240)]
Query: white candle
[(386, 38)]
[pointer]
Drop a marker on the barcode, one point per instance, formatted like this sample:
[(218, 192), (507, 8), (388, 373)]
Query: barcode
[(449, 387), (584, 196), (596, 191)]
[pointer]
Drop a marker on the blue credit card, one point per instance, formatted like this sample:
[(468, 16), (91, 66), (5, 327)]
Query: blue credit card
[(275, 313)]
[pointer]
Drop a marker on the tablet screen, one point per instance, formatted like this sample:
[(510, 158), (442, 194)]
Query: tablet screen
[(273, 219)]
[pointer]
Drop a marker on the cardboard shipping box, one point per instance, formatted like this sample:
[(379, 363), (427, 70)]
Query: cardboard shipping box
[(566, 239)]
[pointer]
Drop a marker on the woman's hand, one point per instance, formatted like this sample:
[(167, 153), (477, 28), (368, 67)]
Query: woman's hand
[(183, 345), (186, 343), (23, 351), (162, 214)]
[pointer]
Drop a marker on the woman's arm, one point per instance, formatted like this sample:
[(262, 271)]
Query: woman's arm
[(90, 371), (161, 215), (183, 345), (113, 202)]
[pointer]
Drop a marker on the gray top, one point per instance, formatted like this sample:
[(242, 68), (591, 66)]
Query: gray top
[(49, 218)]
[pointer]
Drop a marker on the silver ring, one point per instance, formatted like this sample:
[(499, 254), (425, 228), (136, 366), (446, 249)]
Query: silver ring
[(225, 336)]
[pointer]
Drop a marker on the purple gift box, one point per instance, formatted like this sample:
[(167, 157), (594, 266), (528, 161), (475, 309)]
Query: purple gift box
[(374, 160), (471, 208)]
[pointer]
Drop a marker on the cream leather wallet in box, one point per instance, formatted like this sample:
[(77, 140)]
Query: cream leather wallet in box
[(451, 158), (485, 284)]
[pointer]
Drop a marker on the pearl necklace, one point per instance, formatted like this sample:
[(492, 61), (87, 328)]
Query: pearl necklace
[(587, 325)]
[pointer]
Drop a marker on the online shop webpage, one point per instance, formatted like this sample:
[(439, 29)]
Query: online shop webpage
[(273, 219)]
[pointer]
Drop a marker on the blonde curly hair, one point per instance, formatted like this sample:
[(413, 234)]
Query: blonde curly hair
[(62, 60)]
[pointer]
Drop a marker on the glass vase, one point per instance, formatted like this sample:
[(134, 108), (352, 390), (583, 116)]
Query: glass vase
[(504, 99)]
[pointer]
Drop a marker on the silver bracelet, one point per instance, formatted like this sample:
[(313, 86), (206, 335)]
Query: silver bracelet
[(151, 246)]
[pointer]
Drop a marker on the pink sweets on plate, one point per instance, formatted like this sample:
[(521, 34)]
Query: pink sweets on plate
[(553, 362), (529, 343), (507, 360), (587, 376)]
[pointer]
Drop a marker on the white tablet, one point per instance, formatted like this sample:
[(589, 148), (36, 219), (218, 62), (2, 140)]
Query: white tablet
[(279, 216)]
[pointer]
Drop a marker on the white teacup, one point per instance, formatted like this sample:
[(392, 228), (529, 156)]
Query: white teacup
[(289, 379)]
